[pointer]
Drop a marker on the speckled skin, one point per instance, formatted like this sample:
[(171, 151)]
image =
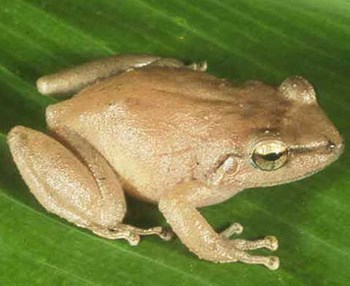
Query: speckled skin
[(173, 136)]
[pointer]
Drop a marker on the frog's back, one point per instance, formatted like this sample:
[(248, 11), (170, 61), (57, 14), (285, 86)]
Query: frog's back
[(158, 126)]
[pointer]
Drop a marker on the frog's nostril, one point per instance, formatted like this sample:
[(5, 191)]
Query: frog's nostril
[(331, 146), (335, 147)]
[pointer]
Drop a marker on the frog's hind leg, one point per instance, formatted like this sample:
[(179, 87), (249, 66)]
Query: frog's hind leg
[(76, 78), (76, 183)]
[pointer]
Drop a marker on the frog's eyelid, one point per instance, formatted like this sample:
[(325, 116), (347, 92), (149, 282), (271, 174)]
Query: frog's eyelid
[(266, 141)]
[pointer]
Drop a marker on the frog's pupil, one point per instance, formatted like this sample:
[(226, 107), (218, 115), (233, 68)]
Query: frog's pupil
[(272, 156)]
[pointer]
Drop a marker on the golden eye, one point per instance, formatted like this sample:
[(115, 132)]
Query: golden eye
[(269, 155)]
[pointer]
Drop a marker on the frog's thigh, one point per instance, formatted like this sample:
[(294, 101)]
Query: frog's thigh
[(179, 209), (63, 184), (76, 78), (88, 195)]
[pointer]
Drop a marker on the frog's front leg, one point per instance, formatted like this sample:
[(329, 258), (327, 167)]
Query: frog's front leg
[(76, 78), (179, 209), (77, 183)]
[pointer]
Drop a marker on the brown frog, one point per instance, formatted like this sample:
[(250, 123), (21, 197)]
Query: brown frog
[(173, 135)]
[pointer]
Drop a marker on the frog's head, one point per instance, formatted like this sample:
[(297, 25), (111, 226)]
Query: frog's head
[(295, 142)]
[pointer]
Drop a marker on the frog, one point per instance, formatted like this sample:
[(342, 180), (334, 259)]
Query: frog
[(169, 133)]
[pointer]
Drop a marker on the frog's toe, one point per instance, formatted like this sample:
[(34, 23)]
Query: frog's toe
[(202, 66), (131, 233), (133, 239), (166, 234), (163, 233), (271, 242), (273, 263), (235, 228)]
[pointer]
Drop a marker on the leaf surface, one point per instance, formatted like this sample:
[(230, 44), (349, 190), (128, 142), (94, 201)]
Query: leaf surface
[(241, 40)]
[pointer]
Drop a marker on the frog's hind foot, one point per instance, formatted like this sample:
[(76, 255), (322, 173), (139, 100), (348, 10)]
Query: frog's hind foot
[(133, 234)]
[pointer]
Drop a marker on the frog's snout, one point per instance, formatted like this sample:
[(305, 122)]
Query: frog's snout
[(333, 147), (339, 148), (336, 145)]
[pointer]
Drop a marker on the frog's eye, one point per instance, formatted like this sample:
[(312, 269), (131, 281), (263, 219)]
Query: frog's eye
[(269, 155)]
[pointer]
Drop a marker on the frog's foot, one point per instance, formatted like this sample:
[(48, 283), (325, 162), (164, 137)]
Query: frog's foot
[(269, 242), (202, 66), (239, 247), (133, 234)]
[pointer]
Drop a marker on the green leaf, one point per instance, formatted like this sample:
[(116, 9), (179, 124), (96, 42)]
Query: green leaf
[(241, 40)]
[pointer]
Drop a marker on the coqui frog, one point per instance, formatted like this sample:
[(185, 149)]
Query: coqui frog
[(173, 135)]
